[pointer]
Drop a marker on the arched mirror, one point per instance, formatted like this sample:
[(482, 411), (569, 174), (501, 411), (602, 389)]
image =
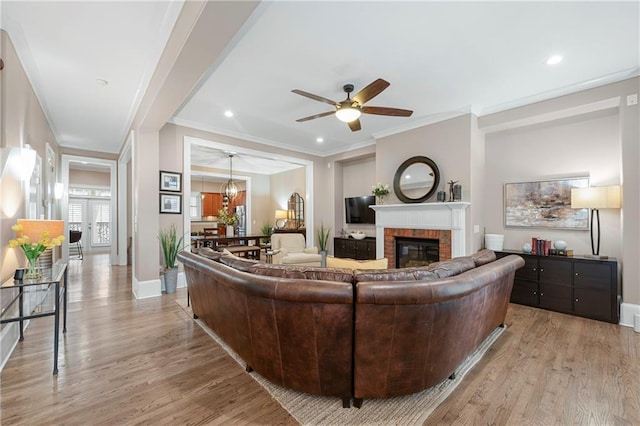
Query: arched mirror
[(296, 211), (416, 180)]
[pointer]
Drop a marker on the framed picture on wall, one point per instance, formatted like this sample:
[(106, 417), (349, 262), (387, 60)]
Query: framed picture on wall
[(171, 203), (170, 181), (544, 204)]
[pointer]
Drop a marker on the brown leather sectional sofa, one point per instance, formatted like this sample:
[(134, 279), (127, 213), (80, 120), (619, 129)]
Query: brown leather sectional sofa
[(351, 334)]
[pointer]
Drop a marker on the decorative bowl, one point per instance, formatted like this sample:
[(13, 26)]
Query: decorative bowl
[(358, 235), (560, 245)]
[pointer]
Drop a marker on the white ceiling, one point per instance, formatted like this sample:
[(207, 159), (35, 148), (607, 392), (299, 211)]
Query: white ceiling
[(441, 58)]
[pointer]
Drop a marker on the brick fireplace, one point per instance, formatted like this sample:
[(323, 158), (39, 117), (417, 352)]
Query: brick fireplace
[(390, 235), (445, 222)]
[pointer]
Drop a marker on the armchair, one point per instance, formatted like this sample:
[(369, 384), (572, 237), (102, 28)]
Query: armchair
[(290, 249)]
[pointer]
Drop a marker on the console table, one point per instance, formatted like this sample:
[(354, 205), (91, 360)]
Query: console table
[(576, 285), (54, 284), (355, 249)]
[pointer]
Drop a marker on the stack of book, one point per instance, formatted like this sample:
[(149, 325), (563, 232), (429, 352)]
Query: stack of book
[(542, 247)]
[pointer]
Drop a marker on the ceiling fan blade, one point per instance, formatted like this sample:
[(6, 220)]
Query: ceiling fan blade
[(371, 91), (311, 117), (314, 97), (396, 112), (354, 125)]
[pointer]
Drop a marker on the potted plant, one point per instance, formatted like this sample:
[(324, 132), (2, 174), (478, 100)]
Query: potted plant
[(171, 245), (323, 238), (266, 230), (228, 219)]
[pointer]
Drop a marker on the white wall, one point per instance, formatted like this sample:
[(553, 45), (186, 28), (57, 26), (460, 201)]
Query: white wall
[(90, 178), (581, 146)]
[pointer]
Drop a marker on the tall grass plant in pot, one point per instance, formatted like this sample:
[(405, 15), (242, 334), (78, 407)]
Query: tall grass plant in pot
[(171, 245), (322, 235)]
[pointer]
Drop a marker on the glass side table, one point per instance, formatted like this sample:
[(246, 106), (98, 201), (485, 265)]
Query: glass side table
[(49, 290)]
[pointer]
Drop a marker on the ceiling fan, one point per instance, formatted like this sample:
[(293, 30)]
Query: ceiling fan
[(350, 109)]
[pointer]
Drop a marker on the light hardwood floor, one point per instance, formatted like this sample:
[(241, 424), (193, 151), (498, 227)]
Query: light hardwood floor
[(127, 361)]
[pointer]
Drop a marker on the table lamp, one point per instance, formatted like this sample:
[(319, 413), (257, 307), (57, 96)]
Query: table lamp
[(595, 198), (281, 218), (34, 229)]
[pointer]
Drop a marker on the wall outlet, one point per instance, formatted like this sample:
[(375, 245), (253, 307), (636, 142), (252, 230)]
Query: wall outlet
[(476, 229), (632, 99)]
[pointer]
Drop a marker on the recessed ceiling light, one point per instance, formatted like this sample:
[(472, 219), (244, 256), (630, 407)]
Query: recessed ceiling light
[(101, 81), (228, 113), (554, 59), (319, 140)]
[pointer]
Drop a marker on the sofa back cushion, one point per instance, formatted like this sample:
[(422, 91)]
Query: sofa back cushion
[(403, 274), (237, 263), (451, 267), (209, 253), (483, 257), (303, 272)]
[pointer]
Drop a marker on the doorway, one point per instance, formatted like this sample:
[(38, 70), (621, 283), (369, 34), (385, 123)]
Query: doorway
[(93, 204), (92, 218)]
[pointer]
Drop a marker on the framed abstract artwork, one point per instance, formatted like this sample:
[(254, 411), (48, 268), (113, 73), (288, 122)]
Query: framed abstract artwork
[(544, 204)]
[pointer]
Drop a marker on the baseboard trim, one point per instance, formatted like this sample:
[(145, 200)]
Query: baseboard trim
[(153, 288), (146, 289), (627, 310), (8, 341)]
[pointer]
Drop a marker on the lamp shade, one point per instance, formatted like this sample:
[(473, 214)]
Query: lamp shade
[(281, 214), (348, 114), (34, 228), (596, 197)]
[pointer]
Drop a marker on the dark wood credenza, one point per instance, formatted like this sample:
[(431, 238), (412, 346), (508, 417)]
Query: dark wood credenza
[(576, 285), (355, 249)]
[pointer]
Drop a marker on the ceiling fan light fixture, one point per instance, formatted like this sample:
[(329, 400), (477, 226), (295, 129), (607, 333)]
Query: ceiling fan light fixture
[(348, 114)]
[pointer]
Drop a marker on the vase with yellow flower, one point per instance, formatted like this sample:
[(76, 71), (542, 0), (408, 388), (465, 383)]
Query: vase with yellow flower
[(33, 250)]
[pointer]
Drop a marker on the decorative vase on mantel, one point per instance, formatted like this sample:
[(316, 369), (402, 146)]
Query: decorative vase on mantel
[(380, 200)]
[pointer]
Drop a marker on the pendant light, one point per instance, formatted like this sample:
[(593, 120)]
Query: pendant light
[(230, 189)]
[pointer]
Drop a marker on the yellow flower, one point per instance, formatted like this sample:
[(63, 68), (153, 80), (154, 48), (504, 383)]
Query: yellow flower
[(17, 227), (13, 243)]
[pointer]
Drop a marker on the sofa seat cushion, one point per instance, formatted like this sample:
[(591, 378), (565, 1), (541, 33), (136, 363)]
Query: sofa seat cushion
[(338, 262), (303, 272)]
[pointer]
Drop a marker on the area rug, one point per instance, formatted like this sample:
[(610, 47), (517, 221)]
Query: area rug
[(317, 410)]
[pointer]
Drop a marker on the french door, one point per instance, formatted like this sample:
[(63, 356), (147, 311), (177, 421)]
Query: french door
[(91, 216)]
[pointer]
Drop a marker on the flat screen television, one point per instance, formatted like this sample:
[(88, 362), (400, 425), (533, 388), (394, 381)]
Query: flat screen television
[(357, 209)]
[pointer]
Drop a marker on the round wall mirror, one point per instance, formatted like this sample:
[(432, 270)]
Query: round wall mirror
[(416, 180)]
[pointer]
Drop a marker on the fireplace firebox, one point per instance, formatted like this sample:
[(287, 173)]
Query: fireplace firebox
[(413, 252)]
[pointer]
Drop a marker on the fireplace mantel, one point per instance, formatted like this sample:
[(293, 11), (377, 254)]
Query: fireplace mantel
[(447, 216)]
